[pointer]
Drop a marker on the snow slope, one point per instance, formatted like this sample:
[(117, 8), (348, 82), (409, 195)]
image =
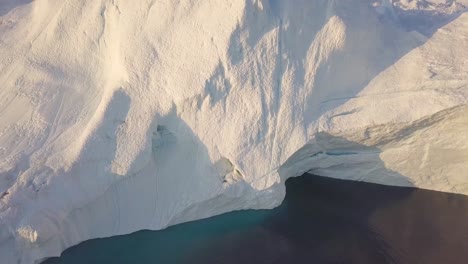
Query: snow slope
[(117, 116)]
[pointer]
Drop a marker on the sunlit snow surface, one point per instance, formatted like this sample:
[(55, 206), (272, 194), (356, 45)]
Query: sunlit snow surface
[(117, 116)]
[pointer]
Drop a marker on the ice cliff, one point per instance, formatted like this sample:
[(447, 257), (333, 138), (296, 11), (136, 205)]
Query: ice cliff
[(117, 116)]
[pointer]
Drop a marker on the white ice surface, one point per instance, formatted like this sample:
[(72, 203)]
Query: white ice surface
[(117, 116)]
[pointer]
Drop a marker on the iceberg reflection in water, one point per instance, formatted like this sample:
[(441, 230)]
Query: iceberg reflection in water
[(322, 220)]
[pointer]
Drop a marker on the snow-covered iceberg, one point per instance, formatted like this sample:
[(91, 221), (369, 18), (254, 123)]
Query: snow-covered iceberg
[(117, 116)]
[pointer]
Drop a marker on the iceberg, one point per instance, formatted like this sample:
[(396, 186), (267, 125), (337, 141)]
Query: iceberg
[(117, 116)]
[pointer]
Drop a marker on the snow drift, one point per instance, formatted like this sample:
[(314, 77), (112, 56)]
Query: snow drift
[(117, 116)]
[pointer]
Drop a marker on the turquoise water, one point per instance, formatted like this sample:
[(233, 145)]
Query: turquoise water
[(172, 245), (321, 221)]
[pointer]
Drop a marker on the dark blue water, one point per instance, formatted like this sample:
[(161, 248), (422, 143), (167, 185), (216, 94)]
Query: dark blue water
[(322, 220)]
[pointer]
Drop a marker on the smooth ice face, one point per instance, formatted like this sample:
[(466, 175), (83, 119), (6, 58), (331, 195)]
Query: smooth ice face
[(117, 116)]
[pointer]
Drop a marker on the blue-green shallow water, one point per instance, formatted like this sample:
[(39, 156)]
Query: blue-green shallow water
[(171, 245), (321, 221)]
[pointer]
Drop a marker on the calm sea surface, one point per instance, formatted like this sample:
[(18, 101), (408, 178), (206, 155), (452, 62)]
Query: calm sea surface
[(322, 220)]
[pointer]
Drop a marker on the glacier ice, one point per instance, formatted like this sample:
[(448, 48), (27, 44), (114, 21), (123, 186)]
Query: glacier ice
[(117, 116)]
